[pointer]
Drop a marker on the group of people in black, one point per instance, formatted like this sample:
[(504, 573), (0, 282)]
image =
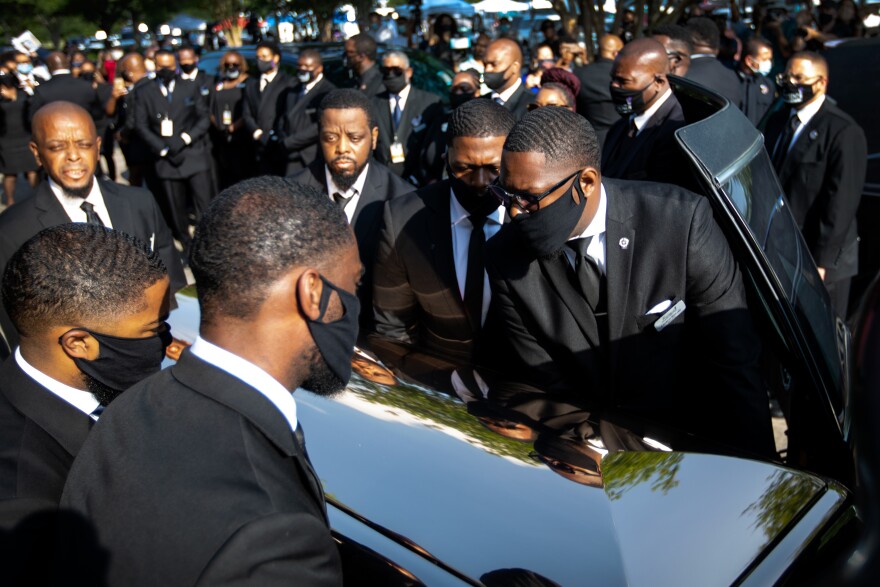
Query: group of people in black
[(496, 230)]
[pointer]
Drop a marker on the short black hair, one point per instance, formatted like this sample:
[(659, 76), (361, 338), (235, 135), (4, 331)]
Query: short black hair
[(271, 46), (366, 46), (561, 135), (254, 232), (705, 32), (754, 45), (479, 118), (164, 52), (188, 48), (473, 74), (347, 98), (313, 54), (676, 33), (79, 275), (7, 56)]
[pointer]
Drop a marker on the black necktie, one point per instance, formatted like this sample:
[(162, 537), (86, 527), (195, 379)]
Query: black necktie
[(473, 283), (91, 216), (784, 142), (588, 275), (340, 199)]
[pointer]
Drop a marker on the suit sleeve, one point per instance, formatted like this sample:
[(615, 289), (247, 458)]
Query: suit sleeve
[(307, 132), (164, 247), (142, 125), (248, 113), (842, 192), (203, 118), (395, 307), (281, 549), (729, 346)]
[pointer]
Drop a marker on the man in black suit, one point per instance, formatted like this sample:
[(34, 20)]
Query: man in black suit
[(625, 292), (758, 90), (90, 304), (138, 157), (677, 41), (296, 128), (641, 144), (172, 117), (403, 114), (349, 176), (503, 76), (63, 86), (264, 98), (361, 58), (221, 473), (594, 100), (188, 62), (820, 155), (430, 286), (72, 193), (705, 69)]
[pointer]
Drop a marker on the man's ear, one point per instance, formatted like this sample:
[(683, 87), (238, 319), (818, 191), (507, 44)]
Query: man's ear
[(308, 293), (590, 181), (33, 147), (375, 133), (79, 344)]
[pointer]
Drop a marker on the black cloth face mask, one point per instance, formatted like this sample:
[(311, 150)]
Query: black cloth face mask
[(336, 340), (494, 80), (122, 362), (796, 93), (166, 75), (546, 230), (628, 102), (187, 67), (456, 100), (475, 201), (394, 83), (265, 66)]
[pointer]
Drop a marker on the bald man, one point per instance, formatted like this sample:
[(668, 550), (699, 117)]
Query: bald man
[(63, 86), (138, 156), (66, 145), (641, 145), (594, 100), (503, 75), (820, 155)]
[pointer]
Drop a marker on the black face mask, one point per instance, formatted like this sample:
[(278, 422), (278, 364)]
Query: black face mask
[(475, 201), (122, 362), (494, 80), (188, 68), (265, 66), (456, 100), (394, 83), (548, 229), (87, 75), (335, 341), (628, 102), (796, 93), (8, 80), (166, 75)]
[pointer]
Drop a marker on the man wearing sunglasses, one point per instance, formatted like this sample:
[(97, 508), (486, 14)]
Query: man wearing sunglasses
[(624, 292), (820, 156)]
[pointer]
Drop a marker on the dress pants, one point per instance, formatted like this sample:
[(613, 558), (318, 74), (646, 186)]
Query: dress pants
[(199, 188)]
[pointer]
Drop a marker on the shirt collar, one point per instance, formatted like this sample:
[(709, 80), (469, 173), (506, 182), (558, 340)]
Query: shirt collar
[(270, 76), (807, 113), (356, 188), (190, 76), (506, 94), (82, 400), (249, 374), (60, 72), (404, 93), (642, 119), (93, 198), (314, 82), (597, 224), (457, 212)]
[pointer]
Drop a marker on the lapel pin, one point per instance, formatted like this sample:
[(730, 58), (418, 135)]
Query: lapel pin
[(814, 134), (624, 243)]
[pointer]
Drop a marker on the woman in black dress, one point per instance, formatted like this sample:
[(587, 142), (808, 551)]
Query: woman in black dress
[(231, 145), (15, 155)]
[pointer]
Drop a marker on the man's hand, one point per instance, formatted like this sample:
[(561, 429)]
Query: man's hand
[(821, 271)]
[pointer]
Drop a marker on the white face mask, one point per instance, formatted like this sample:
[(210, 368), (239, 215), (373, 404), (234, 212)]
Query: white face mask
[(764, 67)]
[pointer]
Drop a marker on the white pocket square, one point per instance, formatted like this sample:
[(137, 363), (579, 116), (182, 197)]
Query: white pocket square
[(660, 308)]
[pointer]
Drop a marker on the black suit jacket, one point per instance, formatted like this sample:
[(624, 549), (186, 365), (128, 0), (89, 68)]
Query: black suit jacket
[(210, 488), (757, 93), (416, 297), (297, 124), (132, 210), (188, 110), (653, 154), (133, 146), (662, 246), (519, 102), (421, 109), (262, 108), (40, 435), (380, 186), (370, 82), (594, 100), (710, 72), (823, 176), (69, 89)]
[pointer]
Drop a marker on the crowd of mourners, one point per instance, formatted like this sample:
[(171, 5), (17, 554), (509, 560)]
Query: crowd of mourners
[(540, 219)]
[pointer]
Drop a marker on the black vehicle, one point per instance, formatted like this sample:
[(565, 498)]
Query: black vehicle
[(443, 474), (429, 74)]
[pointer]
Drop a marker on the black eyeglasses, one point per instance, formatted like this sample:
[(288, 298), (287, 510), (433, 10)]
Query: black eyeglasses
[(394, 71), (528, 203)]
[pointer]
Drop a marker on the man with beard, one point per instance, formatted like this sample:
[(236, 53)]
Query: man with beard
[(352, 179), (503, 76), (625, 292), (66, 145), (431, 287), (199, 474), (403, 114), (90, 304)]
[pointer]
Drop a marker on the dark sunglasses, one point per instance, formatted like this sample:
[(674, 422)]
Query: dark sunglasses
[(528, 203), (391, 71), (232, 65)]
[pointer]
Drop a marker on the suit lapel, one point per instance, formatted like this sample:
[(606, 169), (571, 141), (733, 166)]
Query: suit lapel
[(440, 239), (804, 141), (120, 213), (51, 212), (557, 274), (618, 262), (412, 105)]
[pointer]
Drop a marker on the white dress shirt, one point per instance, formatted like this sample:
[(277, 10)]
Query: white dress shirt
[(169, 89), (72, 204), (190, 77), (352, 194), (805, 115), (249, 374), (80, 399), (640, 120), (401, 98), (461, 238), (314, 83), (506, 94), (267, 78), (596, 231)]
